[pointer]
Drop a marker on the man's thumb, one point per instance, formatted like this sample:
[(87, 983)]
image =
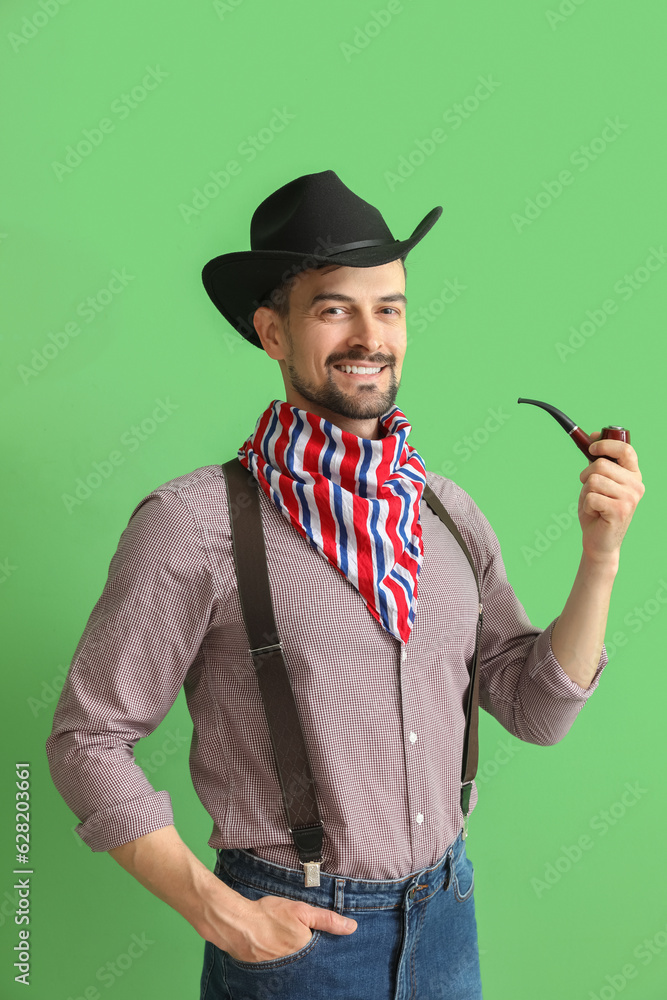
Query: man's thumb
[(328, 920)]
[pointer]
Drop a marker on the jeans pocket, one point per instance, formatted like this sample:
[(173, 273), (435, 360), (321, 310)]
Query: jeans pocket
[(207, 969), (251, 892), (278, 963), (463, 878)]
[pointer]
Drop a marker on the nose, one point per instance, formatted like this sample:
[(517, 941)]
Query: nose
[(366, 333)]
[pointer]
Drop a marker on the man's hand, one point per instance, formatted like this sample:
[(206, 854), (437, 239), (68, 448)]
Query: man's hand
[(249, 931), (608, 499), (273, 927), (606, 504)]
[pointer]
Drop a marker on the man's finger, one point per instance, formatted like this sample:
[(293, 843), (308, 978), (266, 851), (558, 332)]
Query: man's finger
[(328, 920), (604, 486), (622, 451), (610, 470)]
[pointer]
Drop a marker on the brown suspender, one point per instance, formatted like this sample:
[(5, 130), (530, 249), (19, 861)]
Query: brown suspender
[(289, 747)]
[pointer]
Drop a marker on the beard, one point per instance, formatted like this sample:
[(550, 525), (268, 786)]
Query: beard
[(364, 402)]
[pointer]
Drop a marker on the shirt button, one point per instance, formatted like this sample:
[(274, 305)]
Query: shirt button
[(420, 818), (404, 654), (413, 737)]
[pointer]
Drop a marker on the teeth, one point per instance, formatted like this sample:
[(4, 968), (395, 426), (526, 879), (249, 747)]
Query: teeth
[(355, 370)]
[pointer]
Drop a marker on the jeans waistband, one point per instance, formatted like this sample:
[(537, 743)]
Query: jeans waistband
[(359, 894)]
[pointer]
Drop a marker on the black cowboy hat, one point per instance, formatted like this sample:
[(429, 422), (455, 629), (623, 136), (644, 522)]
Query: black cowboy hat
[(310, 222)]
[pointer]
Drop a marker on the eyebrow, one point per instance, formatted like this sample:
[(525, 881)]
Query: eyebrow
[(339, 297)]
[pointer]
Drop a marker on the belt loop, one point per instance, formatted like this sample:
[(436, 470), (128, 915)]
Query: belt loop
[(339, 898), (448, 872)]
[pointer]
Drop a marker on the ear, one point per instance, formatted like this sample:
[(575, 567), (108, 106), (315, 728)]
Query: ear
[(270, 332)]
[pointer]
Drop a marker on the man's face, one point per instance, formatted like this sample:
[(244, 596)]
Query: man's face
[(342, 316)]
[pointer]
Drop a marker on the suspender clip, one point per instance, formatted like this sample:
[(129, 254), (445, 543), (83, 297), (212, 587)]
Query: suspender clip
[(266, 649), (311, 873)]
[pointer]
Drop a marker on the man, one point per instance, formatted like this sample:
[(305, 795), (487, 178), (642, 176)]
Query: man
[(376, 608)]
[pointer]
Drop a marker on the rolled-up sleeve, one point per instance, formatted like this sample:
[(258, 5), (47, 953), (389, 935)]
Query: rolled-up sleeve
[(140, 640), (521, 682)]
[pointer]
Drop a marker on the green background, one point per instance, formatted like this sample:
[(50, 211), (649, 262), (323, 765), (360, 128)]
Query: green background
[(362, 101)]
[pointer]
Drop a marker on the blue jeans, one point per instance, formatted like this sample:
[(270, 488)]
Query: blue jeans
[(416, 937)]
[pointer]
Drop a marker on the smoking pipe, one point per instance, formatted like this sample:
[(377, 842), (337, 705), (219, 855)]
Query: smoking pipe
[(581, 439)]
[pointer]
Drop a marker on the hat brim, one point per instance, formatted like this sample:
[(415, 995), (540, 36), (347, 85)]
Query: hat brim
[(235, 281)]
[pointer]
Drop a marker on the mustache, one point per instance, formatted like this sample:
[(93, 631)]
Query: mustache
[(382, 361)]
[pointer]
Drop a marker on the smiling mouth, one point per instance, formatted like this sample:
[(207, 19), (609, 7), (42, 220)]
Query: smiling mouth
[(363, 372)]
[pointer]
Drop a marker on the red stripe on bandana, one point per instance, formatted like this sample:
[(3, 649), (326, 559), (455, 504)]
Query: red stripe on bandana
[(314, 450)]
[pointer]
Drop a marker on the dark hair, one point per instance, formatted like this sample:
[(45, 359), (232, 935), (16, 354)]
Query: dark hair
[(279, 298)]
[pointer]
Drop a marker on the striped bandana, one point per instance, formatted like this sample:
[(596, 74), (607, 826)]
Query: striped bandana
[(356, 500)]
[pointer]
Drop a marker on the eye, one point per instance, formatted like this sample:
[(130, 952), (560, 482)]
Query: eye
[(384, 309)]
